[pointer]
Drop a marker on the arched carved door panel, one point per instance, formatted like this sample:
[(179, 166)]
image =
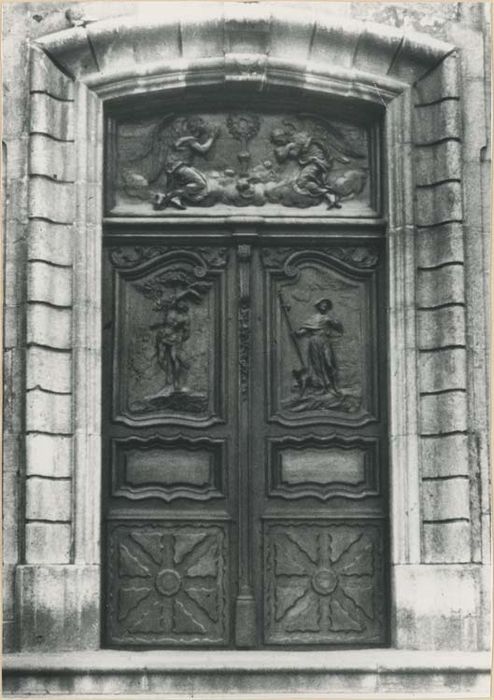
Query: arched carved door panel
[(245, 489)]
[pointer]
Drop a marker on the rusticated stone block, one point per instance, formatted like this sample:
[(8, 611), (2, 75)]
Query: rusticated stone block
[(48, 499), (51, 200), (48, 413), (375, 52), (441, 82), (438, 162), (446, 543), (292, 39), (52, 117), (48, 369), (438, 204), (446, 499), (202, 36), (52, 242), (247, 28), (49, 284), (49, 326), (119, 43), (58, 607), (443, 369), (442, 244), (437, 607), (442, 286), (334, 43), (53, 159), (437, 122), (48, 543), (443, 413), (48, 455), (45, 77), (446, 455), (438, 328)]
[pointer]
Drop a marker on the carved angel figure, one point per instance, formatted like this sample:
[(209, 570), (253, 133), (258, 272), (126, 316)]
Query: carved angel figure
[(185, 182), (315, 154)]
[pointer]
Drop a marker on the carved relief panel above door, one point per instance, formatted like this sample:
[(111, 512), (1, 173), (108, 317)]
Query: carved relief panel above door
[(222, 161)]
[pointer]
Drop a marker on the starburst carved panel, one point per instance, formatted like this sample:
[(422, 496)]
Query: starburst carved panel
[(324, 583), (168, 584)]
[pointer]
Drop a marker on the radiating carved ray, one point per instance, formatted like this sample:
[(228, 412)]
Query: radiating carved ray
[(129, 565), (202, 560), (149, 621), (351, 607), (185, 544), (184, 620), (356, 563), (206, 598), (151, 543), (304, 615), (129, 598), (286, 598)]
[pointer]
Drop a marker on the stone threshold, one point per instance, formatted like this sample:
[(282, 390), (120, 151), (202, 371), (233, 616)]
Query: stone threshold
[(202, 673)]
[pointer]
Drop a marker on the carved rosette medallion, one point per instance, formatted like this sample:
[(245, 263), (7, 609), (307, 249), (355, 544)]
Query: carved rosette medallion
[(324, 584), (168, 585), (177, 162)]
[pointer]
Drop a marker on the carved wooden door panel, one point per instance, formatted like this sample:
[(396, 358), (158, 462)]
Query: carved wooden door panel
[(319, 450), (169, 486), (245, 488)]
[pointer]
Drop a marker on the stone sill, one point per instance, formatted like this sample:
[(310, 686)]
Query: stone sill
[(333, 673)]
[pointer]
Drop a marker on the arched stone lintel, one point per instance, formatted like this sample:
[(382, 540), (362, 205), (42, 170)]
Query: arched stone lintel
[(154, 48)]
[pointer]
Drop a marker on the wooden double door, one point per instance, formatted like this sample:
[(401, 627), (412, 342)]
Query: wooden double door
[(245, 497)]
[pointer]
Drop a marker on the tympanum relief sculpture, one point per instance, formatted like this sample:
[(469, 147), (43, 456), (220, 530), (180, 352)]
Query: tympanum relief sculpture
[(239, 160)]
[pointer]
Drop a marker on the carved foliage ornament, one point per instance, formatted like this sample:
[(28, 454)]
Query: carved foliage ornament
[(240, 159)]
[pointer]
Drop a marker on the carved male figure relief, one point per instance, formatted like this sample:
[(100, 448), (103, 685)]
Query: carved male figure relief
[(321, 367)]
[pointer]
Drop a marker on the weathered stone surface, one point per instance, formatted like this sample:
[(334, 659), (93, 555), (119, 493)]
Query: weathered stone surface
[(446, 455), (442, 244), (375, 58), (48, 455), (48, 370), (46, 78), (447, 543), (49, 284), (247, 28), (440, 161), (438, 328), (52, 242), (52, 159), (47, 543), (443, 413), (52, 117), (202, 36), (442, 370), (289, 38), (334, 43), (48, 499), (59, 607), (48, 413), (441, 82), (49, 326), (446, 499), (51, 200), (442, 286), (442, 121), (438, 204)]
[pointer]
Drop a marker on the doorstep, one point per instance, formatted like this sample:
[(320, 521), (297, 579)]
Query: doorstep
[(201, 673)]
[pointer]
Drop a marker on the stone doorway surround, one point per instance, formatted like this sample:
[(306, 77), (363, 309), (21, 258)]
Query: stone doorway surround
[(440, 621)]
